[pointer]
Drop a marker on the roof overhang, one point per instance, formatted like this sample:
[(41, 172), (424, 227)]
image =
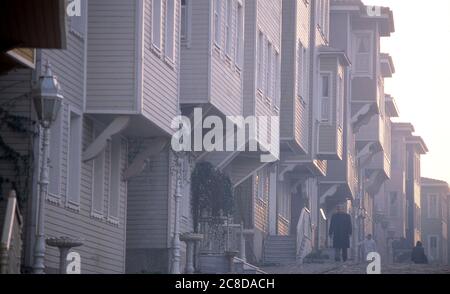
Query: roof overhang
[(403, 128), (32, 24), (387, 65), (336, 53), (391, 107), (354, 6), (428, 182), (419, 143)]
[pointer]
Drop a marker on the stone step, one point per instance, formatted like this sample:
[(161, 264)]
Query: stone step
[(280, 242), (282, 252), (281, 238), (279, 260)]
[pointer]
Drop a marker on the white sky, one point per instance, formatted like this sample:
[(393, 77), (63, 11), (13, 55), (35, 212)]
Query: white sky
[(420, 48)]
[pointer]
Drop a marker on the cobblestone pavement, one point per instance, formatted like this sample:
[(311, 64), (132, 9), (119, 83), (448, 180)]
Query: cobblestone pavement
[(352, 268)]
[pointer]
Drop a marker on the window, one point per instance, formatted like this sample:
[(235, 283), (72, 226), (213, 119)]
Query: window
[(323, 16), (319, 12), (340, 102), (393, 204), (260, 60), (170, 30), (325, 98), (115, 179), (276, 83), (433, 206), (269, 65), (74, 160), (417, 168), (326, 18), (78, 23), (363, 53), (156, 23), (185, 20), (98, 189), (229, 27), (302, 72), (217, 21), (261, 184), (54, 186), (433, 247), (239, 35)]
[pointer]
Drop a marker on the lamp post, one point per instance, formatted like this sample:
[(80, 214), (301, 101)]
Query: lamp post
[(47, 99), (177, 170)]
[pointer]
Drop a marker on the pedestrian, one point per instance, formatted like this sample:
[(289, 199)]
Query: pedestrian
[(418, 254), (340, 231), (369, 245)]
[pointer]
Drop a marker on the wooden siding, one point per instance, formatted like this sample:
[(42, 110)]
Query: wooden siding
[(148, 196), (194, 81), (328, 131), (294, 111), (160, 75), (261, 205), (264, 16), (112, 56), (104, 240), (226, 77), (288, 107), (283, 226), (104, 237), (68, 66)]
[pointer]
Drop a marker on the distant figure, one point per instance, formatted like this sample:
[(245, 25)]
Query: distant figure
[(369, 245), (418, 254), (340, 231)]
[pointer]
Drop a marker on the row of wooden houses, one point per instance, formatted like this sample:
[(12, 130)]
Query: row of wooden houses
[(127, 68)]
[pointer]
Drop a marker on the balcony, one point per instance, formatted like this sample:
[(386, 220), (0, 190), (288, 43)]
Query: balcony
[(211, 75), (331, 95), (373, 132), (294, 126), (129, 73), (342, 173)]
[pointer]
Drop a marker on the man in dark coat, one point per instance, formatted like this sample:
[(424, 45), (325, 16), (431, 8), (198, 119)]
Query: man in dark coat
[(340, 231), (418, 254)]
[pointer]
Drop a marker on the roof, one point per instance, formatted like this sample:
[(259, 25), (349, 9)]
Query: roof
[(385, 19), (428, 183), (328, 50), (419, 143), (391, 106), (387, 65), (432, 182), (403, 127)]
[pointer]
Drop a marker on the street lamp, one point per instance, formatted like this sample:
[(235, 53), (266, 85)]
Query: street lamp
[(47, 99)]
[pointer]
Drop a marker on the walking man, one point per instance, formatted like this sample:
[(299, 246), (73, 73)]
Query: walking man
[(340, 231)]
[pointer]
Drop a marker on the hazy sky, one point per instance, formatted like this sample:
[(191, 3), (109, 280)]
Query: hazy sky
[(420, 48)]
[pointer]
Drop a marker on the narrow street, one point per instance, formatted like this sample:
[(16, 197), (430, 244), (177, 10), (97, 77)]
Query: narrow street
[(352, 268)]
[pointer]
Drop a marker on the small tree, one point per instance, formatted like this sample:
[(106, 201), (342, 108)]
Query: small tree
[(212, 192)]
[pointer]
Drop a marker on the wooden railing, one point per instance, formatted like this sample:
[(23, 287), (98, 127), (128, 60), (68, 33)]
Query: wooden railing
[(304, 235), (11, 241)]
